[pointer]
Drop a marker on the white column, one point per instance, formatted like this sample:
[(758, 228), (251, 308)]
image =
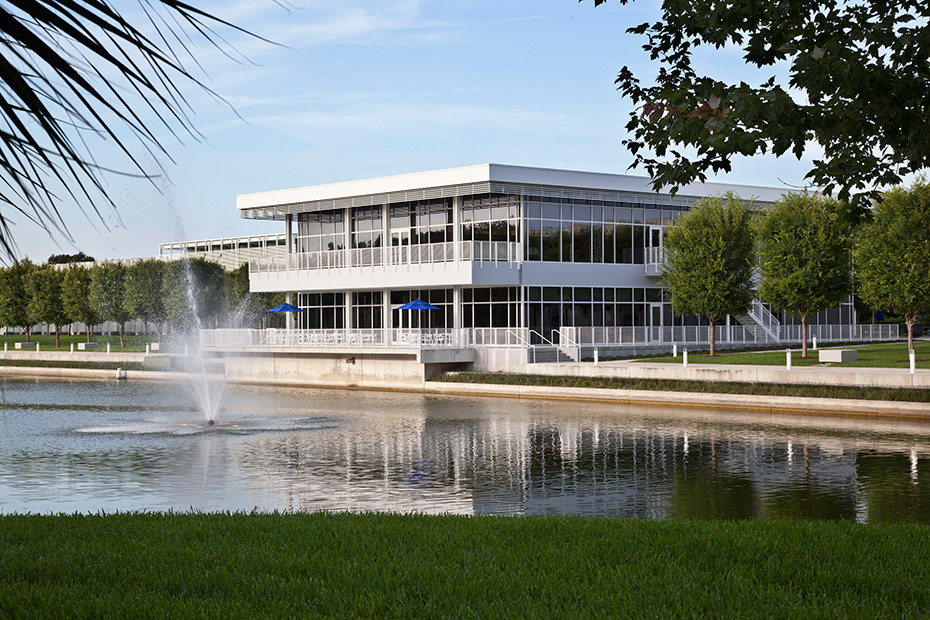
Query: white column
[(386, 308), (456, 307), (457, 230), (386, 234), (349, 316), (289, 320)]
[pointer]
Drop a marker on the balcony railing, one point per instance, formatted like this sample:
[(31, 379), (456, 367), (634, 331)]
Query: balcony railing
[(485, 252)]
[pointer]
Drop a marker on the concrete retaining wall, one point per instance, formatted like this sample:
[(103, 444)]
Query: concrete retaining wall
[(808, 375), (329, 369)]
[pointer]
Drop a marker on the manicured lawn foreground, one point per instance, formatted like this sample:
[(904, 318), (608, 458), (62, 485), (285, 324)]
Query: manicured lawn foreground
[(391, 566)]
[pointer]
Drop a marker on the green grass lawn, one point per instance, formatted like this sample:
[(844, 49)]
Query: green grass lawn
[(885, 355), (393, 566), (134, 344)]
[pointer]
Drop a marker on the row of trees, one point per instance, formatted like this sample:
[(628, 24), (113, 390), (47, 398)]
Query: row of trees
[(176, 294), (808, 249)]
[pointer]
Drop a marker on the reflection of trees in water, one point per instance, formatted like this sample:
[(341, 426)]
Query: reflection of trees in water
[(894, 487), (522, 464)]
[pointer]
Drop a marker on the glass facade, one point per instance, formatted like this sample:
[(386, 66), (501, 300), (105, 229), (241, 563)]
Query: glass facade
[(574, 230), (321, 311), (552, 229), (422, 221)]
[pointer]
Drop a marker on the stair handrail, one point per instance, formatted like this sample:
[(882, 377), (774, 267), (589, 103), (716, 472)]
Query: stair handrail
[(761, 315), (573, 351)]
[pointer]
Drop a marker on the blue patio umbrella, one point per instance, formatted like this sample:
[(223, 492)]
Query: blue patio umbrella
[(285, 308), (416, 304)]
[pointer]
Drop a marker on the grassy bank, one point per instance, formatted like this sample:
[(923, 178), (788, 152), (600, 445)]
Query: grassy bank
[(134, 344), (79, 365), (389, 566), (886, 355), (709, 387)]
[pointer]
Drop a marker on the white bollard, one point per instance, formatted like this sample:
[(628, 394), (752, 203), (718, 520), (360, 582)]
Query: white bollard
[(913, 359), (38, 346), (5, 345), (148, 349), (684, 357), (675, 350), (72, 348), (788, 358), (185, 350), (596, 358), (815, 343), (108, 348)]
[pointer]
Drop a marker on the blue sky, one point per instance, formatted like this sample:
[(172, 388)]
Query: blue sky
[(373, 88)]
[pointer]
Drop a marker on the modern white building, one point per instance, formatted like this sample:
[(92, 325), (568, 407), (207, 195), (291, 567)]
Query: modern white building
[(545, 262), (230, 252)]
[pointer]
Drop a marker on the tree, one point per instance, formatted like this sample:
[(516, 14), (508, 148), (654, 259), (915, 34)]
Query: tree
[(46, 303), (15, 292), (249, 308), (805, 256), (75, 294), (708, 260), (63, 259), (892, 253), (857, 85), (144, 283), (77, 69), (108, 294), (194, 292)]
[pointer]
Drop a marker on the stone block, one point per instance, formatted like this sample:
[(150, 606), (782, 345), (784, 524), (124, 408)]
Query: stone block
[(88, 346), (25, 345), (838, 356)]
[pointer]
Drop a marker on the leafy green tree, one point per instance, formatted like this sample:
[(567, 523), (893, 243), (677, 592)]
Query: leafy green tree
[(144, 298), (708, 260), (15, 293), (892, 253), (805, 256), (108, 294), (195, 292), (850, 77), (46, 303), (75, 294), (249, 308)]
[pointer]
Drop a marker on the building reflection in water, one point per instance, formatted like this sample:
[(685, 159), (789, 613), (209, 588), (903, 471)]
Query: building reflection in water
[(483, 456)]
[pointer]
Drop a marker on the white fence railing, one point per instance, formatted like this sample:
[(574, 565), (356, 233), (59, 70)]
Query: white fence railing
[(570, 339), (477, 251)]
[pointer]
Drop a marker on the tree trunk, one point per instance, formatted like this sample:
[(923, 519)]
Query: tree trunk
[(804, 336), (161, 327), (57, 336), (28, 333), (121, 345), (87, 330), (909, 321), (713, 336)]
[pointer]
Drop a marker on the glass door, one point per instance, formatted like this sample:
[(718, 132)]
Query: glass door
[(655, 322)]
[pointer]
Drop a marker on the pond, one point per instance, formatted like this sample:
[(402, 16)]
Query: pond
[(84, 446)]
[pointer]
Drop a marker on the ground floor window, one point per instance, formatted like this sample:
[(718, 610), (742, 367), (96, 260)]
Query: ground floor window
[(497, 306), (321, 310), (367, 310), (441, 298)]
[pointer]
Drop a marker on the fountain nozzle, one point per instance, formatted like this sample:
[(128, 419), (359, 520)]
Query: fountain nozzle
[(210, 422)]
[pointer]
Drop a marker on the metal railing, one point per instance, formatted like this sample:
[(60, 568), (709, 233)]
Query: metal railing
[(654, 261), (570, 341), (484, 252), (765, 319)]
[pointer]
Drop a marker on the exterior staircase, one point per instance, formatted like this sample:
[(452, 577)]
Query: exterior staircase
[(546, 354), (761, 323)]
